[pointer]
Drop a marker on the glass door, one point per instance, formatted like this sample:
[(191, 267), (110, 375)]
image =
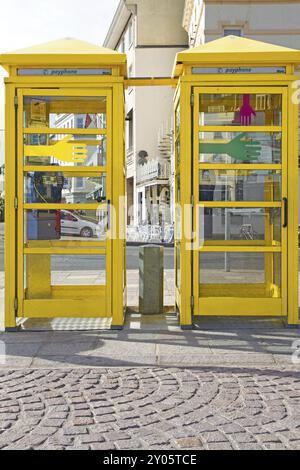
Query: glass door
[(64, 193), (240, 190)]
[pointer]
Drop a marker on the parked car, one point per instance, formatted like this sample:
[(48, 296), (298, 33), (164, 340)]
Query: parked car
[(75, 224)]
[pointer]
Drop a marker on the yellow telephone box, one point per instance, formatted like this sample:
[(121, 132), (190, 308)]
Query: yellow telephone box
[(64, 241), (236, 180)]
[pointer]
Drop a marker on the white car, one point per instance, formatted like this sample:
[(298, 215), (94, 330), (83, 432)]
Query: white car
[(74, 224)]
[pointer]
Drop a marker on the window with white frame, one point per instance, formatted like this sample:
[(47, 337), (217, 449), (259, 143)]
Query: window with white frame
[(233, 32)]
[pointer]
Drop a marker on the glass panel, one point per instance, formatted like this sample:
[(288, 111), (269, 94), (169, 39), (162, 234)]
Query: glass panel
[(241, 224), (177, 151), (59, 187), (60, 150), (62, 112), (225, 109), (178, 188), (42, 272), (237, 147), (78, 269), (240, 274), (239, 185), (66, 225), (177, 127), (178, 272)]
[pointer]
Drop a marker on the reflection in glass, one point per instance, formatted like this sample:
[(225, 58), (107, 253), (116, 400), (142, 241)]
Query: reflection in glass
[(241, 224), (177, 151), (234, 147), (260, 273), (239, 185), (78, 270), (62, 270), (66, 225), (63, 188), (178, 272), (177, 120), (225, 109), (59, 149), (65, 112)]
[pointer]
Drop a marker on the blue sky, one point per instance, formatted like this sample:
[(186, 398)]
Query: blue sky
[(29, 22)]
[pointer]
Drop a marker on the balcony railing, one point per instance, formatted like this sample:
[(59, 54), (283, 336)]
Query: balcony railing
[(154, 170)]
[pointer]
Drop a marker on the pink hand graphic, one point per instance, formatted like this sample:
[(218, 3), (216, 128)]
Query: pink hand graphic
[(246, 111)]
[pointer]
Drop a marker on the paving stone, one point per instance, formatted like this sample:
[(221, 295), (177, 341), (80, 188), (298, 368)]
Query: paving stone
[(92, 439), (189, 443), (150, 408), (82, 421)]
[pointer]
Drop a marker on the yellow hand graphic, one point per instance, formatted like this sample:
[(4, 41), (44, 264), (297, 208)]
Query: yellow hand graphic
[(63, 150)]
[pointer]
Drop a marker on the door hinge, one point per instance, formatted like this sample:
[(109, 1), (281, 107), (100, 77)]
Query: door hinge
[(192, 303), (16, 203), (192, 100), (16, 304), (16, 101)]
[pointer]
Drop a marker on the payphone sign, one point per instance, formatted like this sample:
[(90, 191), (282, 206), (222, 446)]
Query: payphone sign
[(63, 72)]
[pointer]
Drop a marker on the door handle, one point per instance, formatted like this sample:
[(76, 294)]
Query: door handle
[(285, 209), (108, 214)]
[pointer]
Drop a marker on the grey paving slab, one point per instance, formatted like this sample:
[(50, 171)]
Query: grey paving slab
[(150, 408), (208, 359)]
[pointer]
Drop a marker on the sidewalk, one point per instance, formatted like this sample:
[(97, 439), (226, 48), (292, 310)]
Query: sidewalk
[(155, 341), (229, 384)]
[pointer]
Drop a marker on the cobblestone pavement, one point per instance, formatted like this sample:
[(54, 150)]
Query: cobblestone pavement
[(150, 408)]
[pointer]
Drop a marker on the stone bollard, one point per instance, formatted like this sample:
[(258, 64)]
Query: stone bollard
[(151, 279)]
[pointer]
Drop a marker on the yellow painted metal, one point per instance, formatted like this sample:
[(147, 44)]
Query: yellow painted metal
[(177, 222), (292, 192), (68, 170), (38, 276), (10, 221), (49, 207), (252, 307), (152, 81), (39, 298), (238, 248), (119, 237), (185, 169), (239, 203), (64, 53), (203, 291), (47, 130), (67, 308), (270, 298), (235, 51)]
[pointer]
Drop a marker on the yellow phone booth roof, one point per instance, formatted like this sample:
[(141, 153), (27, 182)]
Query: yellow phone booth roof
[(238, 51), (63, 53)]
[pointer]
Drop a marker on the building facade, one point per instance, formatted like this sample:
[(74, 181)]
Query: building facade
[(273, 21), (150, 32)]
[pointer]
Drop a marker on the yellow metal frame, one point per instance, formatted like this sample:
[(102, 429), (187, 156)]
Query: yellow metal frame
[(65, 301), (257, 304), (243, 301)]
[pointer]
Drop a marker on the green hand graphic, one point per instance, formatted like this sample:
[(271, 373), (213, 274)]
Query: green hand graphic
[(238, 148)]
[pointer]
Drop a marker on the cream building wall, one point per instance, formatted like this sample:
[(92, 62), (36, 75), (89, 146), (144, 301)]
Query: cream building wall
[(274, 21), (158, 34)]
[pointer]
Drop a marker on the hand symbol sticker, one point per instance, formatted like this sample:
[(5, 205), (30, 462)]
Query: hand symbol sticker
[(239, 148), (246, 112), (242, 149), (64, 150)]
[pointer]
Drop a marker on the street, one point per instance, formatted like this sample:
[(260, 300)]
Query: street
[(73, 263)]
